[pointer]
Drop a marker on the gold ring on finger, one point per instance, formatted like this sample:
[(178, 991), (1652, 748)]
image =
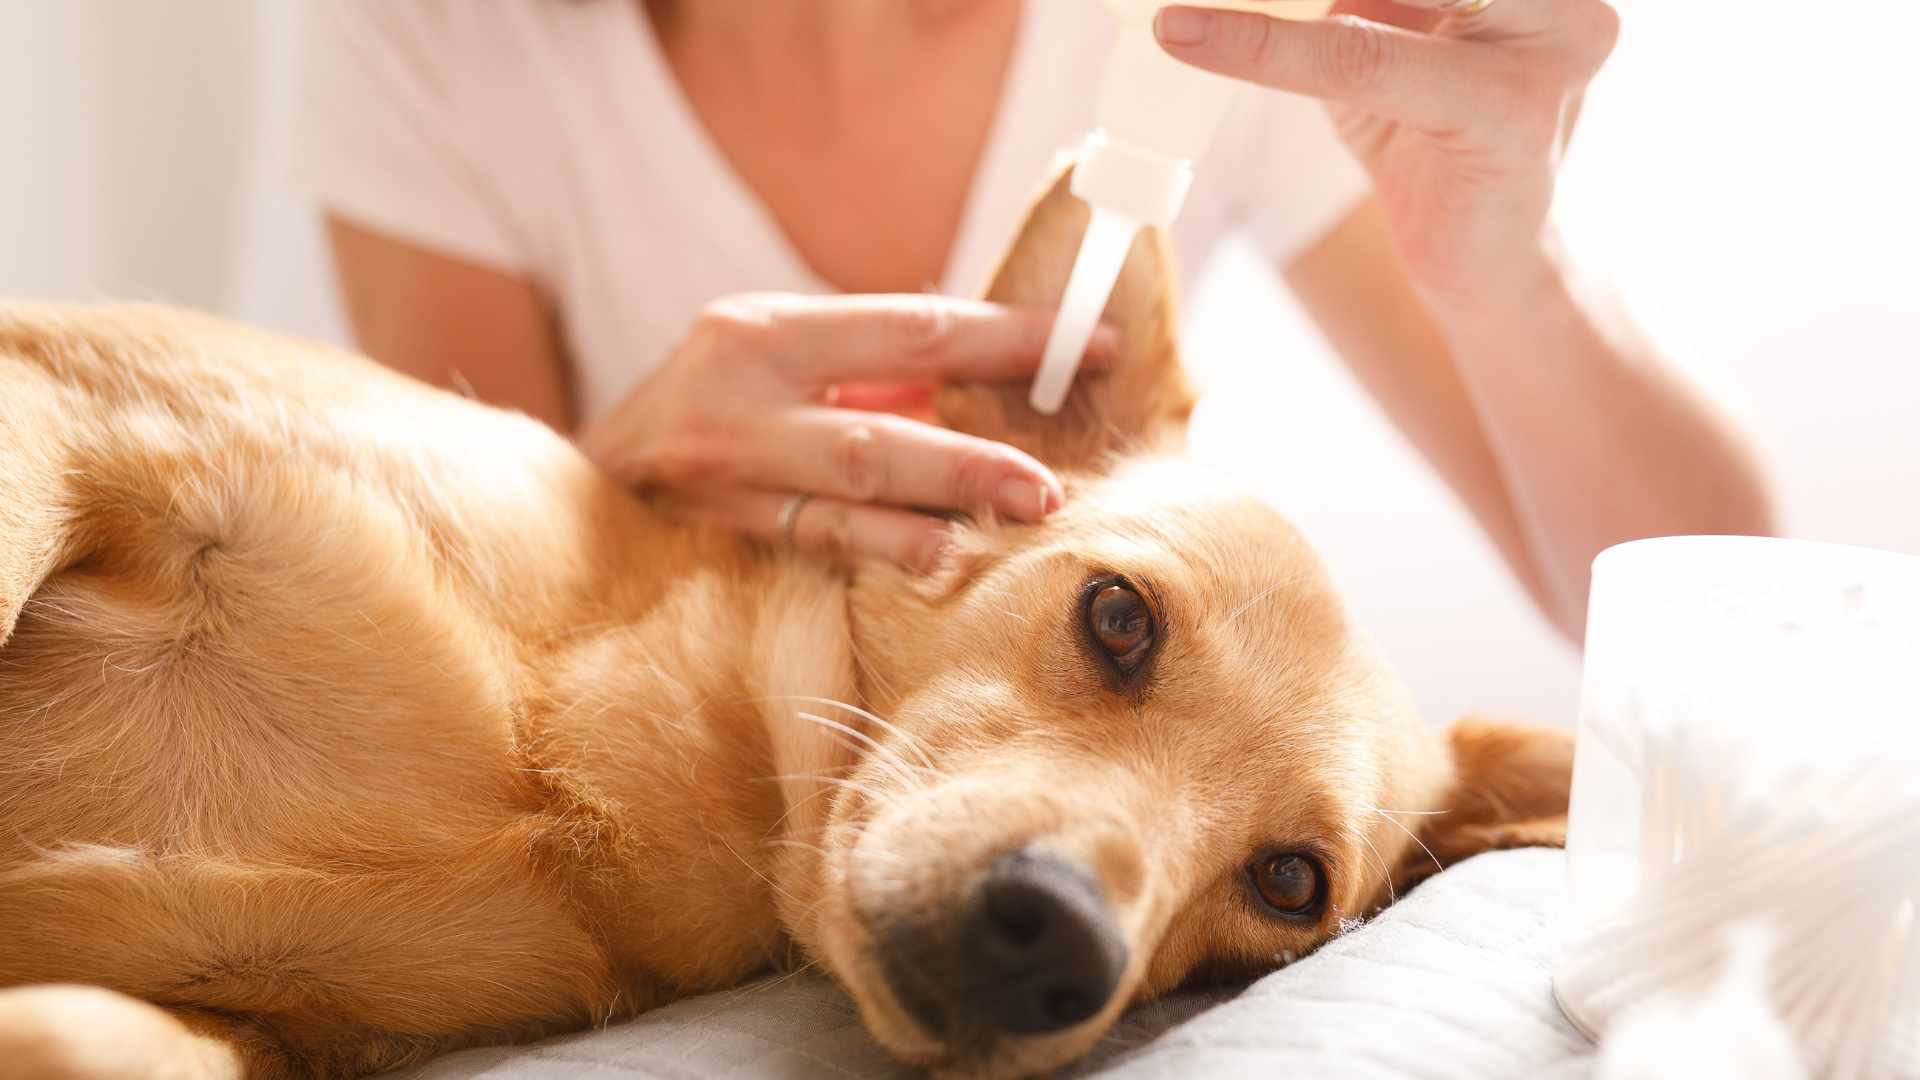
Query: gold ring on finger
[(783, 526)]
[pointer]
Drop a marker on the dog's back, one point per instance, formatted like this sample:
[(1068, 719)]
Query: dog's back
[(258, 693)]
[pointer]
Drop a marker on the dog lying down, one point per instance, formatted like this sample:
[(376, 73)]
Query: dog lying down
[(344, 722)]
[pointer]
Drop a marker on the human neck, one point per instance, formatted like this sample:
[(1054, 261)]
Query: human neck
[(835, 44)]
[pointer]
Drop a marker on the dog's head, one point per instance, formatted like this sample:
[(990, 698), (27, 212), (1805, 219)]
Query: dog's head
[(1137, 745)]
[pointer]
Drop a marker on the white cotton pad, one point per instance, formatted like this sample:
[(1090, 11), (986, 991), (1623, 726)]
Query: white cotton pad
[(1749, 728), (1729, 1032)]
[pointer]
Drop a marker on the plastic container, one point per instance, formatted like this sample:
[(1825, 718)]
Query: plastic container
[(1153, 118), (1747, 762)]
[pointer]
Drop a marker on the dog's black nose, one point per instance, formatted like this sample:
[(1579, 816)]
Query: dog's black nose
[(1036, 951), (1047, 944)]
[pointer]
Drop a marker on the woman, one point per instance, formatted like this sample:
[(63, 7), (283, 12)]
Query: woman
[(698, 234)]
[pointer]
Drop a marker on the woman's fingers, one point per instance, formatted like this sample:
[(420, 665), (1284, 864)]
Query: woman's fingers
[(1422, 79), (771, 393), (819, 341), (835, 528), (1446, 79), (1498, 20), (907, 399), (1405, 16), (840, 529), (876, 458), (1572, 37)]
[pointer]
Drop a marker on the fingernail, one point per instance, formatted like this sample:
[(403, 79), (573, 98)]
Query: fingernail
[(1021, 498), (933, 553), (1183, 26)]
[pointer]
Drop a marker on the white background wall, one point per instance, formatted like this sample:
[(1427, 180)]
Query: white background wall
[(141, 150), (123, 127), (1751, 179)]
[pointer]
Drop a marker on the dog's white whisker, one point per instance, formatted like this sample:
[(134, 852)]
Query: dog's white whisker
[(882, 759), (791, 810), (848, 730), (756, 870), (800, 844), (824, 774), (883, 754), (848, 785), (825, 769), (910, 741), (1410, 835), (871, 673), (1385, 870), (1252, 600)]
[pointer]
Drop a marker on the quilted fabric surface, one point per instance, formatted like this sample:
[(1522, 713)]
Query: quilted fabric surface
[(1452, 982)]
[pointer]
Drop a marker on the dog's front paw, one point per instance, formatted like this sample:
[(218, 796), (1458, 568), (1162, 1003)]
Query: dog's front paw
[(88, 1033)]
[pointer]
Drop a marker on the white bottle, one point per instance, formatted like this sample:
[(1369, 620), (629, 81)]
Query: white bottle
[(1153, 118)]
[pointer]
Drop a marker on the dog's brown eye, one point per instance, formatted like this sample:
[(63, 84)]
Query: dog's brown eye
[(1121, 623), (1290, 884)]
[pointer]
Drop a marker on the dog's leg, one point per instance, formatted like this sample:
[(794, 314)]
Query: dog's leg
[(60, 1032), (67, 1031)]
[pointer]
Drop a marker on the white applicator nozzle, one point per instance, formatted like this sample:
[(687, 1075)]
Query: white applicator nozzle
[(1102, 252)]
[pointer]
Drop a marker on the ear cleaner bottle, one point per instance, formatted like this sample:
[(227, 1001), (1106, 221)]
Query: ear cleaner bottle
[(1153, 118)]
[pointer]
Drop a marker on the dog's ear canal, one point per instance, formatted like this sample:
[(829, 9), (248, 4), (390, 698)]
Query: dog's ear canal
[(1141, 399), (1509, 791)]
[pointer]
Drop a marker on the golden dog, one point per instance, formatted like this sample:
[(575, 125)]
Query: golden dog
[(344, 722)]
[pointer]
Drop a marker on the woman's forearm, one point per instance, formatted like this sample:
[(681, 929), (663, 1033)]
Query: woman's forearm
[(1551, 417), (1557, 423), (1597, 438), (453, 324)]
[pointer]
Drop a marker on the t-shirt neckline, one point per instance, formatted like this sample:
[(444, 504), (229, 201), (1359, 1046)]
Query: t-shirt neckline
[(732, 210)]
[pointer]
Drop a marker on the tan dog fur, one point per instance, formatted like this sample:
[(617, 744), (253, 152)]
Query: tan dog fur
[(344, 722)]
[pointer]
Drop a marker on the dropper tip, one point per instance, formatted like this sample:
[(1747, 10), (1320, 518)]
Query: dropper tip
[(1048, 395), (1103, 249)]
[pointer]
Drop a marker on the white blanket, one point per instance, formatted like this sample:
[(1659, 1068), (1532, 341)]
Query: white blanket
[(1452, 982)]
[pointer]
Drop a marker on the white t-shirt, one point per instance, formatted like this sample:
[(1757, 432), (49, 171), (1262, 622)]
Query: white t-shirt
[(551, 140)]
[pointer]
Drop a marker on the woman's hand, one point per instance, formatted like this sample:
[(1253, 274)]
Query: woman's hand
[(1558, 422), (1459, 111), (772, 396)]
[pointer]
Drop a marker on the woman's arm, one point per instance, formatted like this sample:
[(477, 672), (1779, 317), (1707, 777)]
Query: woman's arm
[(1555, 421), (452, 323)]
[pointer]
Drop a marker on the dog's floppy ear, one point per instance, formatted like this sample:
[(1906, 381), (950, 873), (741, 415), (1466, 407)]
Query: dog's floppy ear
[(1509, 790), (1142, 399), (34, 532)]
